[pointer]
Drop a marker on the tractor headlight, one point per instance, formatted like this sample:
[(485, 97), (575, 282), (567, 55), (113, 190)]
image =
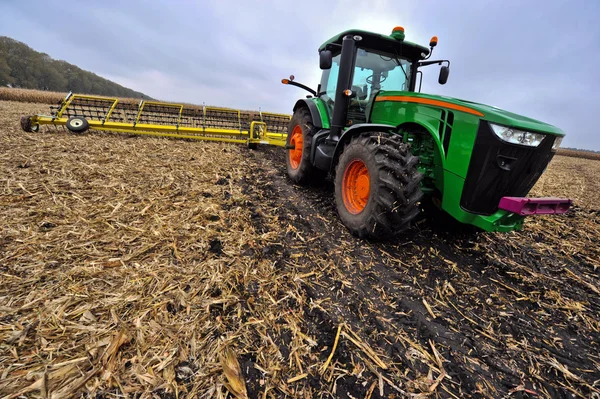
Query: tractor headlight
[(557, 142), (515, 136)]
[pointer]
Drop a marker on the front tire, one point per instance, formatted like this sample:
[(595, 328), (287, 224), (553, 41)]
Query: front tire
[(300, 134), (377, 186)]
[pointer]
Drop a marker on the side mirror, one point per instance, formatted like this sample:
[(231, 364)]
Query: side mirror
[(325, 59), (444, 72)]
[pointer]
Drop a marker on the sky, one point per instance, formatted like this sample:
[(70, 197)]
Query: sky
[(537, 58)]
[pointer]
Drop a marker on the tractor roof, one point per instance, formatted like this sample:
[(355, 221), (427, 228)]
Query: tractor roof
[(381, 42)]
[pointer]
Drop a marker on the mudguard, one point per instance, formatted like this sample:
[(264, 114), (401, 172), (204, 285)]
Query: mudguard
[(355, 130), (312, 108)]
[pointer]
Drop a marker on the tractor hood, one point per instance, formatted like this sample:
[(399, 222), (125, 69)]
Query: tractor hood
[(490, 113)]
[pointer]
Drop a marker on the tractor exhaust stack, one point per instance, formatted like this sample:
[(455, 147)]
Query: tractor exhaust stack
[(340, 111)]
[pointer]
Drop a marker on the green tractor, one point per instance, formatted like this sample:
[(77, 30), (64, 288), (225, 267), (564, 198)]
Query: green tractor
[(392, 149)]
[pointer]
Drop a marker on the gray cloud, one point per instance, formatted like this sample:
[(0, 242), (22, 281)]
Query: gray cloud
[(537, 58)]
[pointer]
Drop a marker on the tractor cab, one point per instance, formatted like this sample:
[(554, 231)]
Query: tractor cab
[(381, 63), (373, 71)]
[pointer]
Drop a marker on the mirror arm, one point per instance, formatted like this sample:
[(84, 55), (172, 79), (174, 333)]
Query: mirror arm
[(300, 85), (439, 62)]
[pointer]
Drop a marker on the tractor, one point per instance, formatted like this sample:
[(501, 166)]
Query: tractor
[(391, 150)]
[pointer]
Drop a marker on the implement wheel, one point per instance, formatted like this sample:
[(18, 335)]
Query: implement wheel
[(27, 126), (77, 124), (377, 186), (297, 159)]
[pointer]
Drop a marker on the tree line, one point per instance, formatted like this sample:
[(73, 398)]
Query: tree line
[(580, 149), (23, 67)]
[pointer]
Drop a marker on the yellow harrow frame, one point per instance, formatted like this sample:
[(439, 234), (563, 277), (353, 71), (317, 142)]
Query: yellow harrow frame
[(167, 120)]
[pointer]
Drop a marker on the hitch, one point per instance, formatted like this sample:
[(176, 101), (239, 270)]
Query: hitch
[(535, 206)]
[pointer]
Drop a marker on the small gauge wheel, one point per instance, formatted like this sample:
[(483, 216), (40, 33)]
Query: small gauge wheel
[(77, 124), (26, 124)]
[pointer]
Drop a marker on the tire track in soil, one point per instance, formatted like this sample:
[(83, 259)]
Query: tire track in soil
[(498, 342)]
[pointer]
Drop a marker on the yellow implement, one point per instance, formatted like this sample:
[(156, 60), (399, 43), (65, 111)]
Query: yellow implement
[(79, 113)]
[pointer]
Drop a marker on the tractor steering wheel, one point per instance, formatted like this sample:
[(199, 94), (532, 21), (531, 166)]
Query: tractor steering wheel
[(369, 79)]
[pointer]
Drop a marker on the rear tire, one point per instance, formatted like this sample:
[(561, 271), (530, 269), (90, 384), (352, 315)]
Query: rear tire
[(77, 124), (300, 134), (377, 186)]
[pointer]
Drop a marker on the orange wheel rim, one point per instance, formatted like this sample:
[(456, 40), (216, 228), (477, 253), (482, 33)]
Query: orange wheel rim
[(298, 143), (356, 186)]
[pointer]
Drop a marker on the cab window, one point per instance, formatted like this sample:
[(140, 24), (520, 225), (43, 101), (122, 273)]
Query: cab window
[(329, 84)]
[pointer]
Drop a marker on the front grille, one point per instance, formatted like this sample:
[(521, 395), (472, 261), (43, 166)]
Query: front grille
[(499, 169), (447, 130)]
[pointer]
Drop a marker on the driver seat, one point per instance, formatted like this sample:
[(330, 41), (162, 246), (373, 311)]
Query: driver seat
[(361, 92), (356, 108)]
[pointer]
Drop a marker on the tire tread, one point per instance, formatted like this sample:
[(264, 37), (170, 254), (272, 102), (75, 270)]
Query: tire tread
[(397, 190)]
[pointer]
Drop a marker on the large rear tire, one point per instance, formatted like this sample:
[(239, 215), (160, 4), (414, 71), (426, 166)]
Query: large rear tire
[(377, 186), (300, 134)]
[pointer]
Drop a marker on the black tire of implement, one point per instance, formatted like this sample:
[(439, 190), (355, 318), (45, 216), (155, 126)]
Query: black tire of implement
[(395, 189), (26, 124), (306, 172), (80, 128), (252, 146)]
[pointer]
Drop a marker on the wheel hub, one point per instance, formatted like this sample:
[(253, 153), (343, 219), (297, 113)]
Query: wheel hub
[(298, 143), (356, 186)]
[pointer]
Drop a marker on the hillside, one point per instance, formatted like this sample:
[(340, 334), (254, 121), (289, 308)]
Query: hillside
[(23, 67)]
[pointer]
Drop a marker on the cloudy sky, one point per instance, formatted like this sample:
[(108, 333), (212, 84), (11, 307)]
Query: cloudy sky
[(537, 58)]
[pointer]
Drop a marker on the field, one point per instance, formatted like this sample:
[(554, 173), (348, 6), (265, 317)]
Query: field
[(579, 154), (146, 267)]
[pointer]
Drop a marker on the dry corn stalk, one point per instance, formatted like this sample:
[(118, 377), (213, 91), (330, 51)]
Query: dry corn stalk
[(233, 373)]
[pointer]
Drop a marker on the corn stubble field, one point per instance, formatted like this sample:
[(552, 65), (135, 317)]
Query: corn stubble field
[(146, 267)]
